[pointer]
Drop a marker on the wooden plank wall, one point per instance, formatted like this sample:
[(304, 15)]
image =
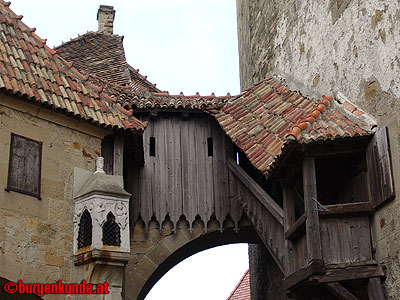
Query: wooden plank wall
[(345, 239), (181, 179)]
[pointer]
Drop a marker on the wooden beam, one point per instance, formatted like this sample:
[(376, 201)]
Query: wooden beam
[(351, 273), (304, 274), (312, 223), (294, 231), (348, 208), (340, 291), (257, 191), (334, 149), (289, 221), (118, 155), (375, 291)]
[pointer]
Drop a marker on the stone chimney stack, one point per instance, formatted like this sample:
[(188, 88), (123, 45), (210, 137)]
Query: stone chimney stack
[(105, 16)]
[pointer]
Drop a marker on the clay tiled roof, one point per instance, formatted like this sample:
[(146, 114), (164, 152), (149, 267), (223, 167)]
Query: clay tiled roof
[(103, 55), (164, 100), (242, 289), (266, 117), (30, 69), (139, 83), (98, 54)]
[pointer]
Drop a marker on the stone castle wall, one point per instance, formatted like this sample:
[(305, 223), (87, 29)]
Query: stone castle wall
[(329, 47), (36, 236)]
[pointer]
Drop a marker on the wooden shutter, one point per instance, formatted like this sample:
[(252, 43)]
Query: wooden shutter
[(24, 171), (380, 173)]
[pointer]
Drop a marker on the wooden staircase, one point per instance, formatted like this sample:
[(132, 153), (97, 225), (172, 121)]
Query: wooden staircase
[(262, 210)]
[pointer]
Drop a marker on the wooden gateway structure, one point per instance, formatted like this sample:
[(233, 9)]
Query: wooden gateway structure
[(307, 174)]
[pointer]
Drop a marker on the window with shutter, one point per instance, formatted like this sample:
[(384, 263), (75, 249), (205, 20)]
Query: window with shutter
[(380, 173), (24, 170)]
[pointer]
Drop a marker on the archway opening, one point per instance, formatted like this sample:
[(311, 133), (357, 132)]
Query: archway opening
[(209, 274), (209, 240)]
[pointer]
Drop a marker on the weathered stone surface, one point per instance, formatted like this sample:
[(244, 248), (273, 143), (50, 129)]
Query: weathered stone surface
[(36, 236)]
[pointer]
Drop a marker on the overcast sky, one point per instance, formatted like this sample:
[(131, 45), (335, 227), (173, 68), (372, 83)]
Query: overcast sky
[(182, 46)]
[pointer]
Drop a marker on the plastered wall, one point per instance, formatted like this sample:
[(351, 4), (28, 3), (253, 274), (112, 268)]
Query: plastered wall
[(36, 235)]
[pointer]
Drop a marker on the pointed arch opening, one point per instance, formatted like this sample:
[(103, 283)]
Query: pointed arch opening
[(85, 230)]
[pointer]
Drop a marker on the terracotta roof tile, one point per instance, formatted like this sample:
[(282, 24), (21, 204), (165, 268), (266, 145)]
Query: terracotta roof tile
[(268, 116), (242, 289), (30, 69)]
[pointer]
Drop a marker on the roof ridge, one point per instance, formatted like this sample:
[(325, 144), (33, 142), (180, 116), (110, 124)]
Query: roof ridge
[(83, 35), (354, 110), (314, 113), (197, 95)]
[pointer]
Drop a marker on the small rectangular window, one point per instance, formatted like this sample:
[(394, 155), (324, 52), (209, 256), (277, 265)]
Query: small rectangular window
[(24, 170), (152, 146), (210, 146)]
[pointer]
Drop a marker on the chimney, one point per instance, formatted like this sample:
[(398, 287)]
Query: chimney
[(105, 16)]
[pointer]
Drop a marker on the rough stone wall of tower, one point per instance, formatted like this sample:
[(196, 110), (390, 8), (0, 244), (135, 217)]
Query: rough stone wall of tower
[(345, 48)]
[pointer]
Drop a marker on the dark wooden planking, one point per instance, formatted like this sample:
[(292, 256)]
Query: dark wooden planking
[(312, 222), (161, 168), (380, 173), (201, 153), (150, 167), (174, 168), (118, 165), (340, 291), (107, 152), (190, 165), (209, 201), (289, 221), (375, 291), (350, 273), (219, 172)]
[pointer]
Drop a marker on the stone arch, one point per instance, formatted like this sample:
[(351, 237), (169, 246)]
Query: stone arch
[(154, 252)]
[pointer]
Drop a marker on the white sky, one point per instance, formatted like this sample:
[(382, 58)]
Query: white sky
[(184, 46)]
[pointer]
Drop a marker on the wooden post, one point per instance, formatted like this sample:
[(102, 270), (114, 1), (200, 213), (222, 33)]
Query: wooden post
[(118, 155), (375, 291), (288, 222), (312, 223)]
